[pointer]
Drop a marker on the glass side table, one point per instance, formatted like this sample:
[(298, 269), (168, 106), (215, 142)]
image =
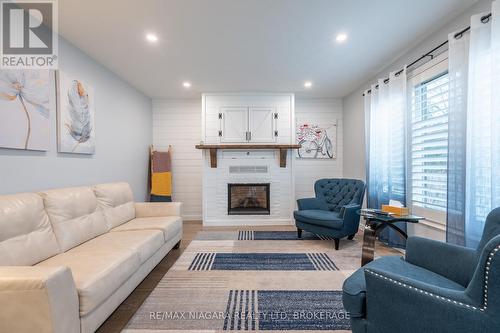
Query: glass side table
[(374, 223)]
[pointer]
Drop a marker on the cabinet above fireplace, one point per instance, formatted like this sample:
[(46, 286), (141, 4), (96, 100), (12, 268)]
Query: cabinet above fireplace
[(248, 118), (244, 124)]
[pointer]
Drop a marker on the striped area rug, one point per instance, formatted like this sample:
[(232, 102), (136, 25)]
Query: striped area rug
[(262, 262), (278, 235), (223, 283)]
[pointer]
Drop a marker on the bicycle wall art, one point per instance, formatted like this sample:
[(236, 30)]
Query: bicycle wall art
[(317, 141)]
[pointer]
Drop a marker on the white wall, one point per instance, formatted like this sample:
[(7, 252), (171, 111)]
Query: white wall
[(320, 111), (354, 144), (178, 123), (123, 134)]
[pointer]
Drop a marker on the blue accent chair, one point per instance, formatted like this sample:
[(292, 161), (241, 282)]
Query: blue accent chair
[(437, 287), (333, 213)]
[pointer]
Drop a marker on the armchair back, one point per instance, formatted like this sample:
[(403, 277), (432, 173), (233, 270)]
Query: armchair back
[(484, 287), (338, 192), (491, 228)]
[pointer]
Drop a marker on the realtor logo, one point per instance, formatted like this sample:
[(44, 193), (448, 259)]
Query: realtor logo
[(29, 34)]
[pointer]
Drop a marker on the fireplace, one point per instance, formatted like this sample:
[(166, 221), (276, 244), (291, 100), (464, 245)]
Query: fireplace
[(248, 199)]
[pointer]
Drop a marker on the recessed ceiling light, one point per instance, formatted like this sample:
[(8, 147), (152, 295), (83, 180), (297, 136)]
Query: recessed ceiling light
[(151, 38), (341, 37), (308, 84), (186, 84)]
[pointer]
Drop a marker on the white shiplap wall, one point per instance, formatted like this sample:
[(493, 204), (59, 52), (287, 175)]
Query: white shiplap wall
[(307, 171), (178, 123)]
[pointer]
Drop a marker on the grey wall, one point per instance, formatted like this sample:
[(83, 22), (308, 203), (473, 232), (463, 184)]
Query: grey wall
[(354, 137), (354, 124), (123, 126)]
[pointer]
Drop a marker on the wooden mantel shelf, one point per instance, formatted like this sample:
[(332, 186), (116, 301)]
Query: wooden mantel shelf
[(248, 146), (213, 150)]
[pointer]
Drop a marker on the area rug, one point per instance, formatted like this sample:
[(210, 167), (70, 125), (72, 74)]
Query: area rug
[(263, 235), (221, 283)]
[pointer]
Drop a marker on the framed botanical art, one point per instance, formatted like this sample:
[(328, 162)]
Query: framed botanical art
[(76, 112), (26, 98)]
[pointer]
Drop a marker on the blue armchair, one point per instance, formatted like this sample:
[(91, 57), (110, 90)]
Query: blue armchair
[(333, 213), (438, 287)]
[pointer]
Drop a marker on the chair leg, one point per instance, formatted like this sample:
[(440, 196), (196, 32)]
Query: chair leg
[(337, 241), (351, 237), (299, 233), (176, 246)]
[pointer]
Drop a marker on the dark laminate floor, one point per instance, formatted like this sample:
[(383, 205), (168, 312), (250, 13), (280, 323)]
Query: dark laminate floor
[(117, 321)]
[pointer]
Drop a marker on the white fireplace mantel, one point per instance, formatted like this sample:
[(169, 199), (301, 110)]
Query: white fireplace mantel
[(246, 159), (283, 150)]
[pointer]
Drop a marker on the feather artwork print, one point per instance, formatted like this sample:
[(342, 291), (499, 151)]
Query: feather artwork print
[(77, 118), (80, 126)]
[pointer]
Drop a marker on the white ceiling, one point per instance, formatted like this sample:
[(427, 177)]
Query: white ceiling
[(249, 45)]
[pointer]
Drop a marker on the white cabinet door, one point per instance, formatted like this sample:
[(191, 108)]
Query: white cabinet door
[(261, 124), (234, 124)]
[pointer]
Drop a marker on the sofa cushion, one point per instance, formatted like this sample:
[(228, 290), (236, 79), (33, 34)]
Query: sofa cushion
[(26, 236), (322, 218), (169, 225), (144, 242), (354, 289), (97, 274), (116, 201), (74, 215)]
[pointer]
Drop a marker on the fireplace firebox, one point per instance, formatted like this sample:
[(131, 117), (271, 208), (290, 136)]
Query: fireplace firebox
[(248, 199)]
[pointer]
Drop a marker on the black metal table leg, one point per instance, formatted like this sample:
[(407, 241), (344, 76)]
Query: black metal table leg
[(398, 230)]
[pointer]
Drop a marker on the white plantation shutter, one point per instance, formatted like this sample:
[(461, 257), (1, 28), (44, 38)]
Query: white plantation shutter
[(429, 143)]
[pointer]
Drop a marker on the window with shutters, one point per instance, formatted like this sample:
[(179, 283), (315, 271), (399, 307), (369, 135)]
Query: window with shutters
[(428, 144)]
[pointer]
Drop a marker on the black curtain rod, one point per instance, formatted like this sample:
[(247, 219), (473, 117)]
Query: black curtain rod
[(458, 35)]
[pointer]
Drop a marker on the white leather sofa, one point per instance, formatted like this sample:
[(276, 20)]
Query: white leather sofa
[(69, 257)]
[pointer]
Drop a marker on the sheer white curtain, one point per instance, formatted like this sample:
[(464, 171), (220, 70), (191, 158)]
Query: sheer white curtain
[(385, 115), (481, 70), (458, 69)]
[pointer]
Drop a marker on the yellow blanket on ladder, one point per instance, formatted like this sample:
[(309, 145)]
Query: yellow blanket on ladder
[(161, 175)]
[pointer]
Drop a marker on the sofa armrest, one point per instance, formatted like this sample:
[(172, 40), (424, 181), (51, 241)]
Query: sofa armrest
[(454, 262), (311, 203), (157, 209), (38, 299)]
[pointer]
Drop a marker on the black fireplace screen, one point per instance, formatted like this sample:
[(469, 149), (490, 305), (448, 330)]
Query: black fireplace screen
[(248, 199)]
